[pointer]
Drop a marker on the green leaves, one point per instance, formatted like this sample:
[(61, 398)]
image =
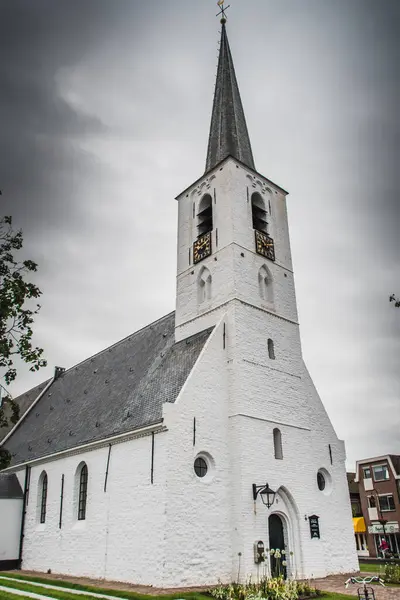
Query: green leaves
[(396, 301), (17, 312)]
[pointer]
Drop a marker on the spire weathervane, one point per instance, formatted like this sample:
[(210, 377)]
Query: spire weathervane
[(222, 12)]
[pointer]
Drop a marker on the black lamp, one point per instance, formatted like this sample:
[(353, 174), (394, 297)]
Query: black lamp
[(267, 495)]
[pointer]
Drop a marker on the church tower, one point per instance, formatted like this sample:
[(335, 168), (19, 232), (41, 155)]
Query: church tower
[(233, 240), (263, 420)]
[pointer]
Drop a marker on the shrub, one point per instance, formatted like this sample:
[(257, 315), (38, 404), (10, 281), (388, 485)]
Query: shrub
[(392, 573)]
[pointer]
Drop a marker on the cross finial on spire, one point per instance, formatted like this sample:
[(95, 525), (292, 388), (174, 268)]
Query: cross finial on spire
[(222, 11)]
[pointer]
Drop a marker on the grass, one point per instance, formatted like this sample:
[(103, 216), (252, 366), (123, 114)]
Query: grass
[(7, 596), (334, 596), (23, 584), (64, 595), (370, 568)]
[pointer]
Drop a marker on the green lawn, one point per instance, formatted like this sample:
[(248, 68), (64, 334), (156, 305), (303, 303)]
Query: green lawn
[(333, 596), (23, 585), (370, 568), (65, 595), (7, 596)]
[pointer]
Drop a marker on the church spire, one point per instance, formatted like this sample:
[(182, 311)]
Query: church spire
[(228, 131)]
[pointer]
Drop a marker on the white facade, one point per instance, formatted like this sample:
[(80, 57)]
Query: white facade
[(181, 529), (10, 511)]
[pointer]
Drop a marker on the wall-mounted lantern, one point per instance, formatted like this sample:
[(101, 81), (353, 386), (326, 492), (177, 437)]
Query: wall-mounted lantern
[(267, 495)]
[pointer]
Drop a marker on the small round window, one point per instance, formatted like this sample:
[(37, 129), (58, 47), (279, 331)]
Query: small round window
[(321, 481), (200, 467)]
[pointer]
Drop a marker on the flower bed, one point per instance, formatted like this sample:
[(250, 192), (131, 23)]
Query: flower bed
[(268, 588)]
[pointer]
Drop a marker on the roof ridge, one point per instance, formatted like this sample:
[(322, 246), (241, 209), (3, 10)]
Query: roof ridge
[(119, 342)]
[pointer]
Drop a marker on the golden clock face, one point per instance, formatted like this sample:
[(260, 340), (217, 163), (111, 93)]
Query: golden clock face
[(264, 245), (202, 247)]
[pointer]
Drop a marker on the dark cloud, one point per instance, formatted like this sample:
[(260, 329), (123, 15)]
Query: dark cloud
[(104, 117)]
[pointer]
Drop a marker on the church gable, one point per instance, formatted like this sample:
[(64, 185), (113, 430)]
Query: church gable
[(118, 390)]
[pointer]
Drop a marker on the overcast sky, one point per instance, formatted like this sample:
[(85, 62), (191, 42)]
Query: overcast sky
[(104, 118)]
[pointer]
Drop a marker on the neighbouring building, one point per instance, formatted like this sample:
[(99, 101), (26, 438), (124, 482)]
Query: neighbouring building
[(11, 500), (360, 530), (177, 455), (378, 481)]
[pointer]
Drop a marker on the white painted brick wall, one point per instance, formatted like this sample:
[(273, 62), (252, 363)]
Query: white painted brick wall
[(122, 536), (10, 522)]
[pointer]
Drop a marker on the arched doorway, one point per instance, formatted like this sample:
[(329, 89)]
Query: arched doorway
[(276, 542)]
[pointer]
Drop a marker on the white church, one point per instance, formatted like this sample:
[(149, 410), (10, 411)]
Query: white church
[(183, 453)]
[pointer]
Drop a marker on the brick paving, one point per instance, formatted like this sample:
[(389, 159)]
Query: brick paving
[(335, 583)]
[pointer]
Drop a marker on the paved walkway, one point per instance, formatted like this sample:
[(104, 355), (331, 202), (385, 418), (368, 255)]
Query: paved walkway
[(4, 579), (335, 583)]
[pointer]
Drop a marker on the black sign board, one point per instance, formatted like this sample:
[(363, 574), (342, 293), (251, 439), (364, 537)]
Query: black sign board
[(314, 526)]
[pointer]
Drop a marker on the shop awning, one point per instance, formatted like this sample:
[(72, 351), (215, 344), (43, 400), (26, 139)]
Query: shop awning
[(359, 525)]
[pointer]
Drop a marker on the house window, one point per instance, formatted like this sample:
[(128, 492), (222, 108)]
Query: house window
[(367, 472), (83, 482), (356, 508), (371, 502), (381, 473), (278, 444), (386, 503), (259, 214), (205, 216), (271, 349), (43, 497)]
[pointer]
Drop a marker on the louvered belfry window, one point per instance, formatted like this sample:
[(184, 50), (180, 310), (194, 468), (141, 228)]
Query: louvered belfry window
[(43, 502), (205, 216), (83, 481), (259, 214)]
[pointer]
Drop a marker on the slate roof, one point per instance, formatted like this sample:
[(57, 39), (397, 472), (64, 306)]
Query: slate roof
[(10, 487), (228, 131), (119, 389), (24, 401)]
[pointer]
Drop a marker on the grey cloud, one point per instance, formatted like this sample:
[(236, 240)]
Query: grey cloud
[(104, 117)]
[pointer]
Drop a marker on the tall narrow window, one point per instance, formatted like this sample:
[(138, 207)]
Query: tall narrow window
[(259, 213), (278, 444), (265, 285), (205, 216), (271, 349), (204, 285), (43, 496), (83, 482)]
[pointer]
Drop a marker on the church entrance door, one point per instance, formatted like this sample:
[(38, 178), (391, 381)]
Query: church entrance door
[(276, 542)]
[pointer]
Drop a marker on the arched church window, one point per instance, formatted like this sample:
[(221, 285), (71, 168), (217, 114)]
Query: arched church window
[(265, 285), (205, 215), (43, 481), (271, 349), (82, 496), (259, 213), (277, 444), (204, 283)]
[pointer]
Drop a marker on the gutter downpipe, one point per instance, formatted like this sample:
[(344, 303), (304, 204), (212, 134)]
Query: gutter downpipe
[(24, 503)]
